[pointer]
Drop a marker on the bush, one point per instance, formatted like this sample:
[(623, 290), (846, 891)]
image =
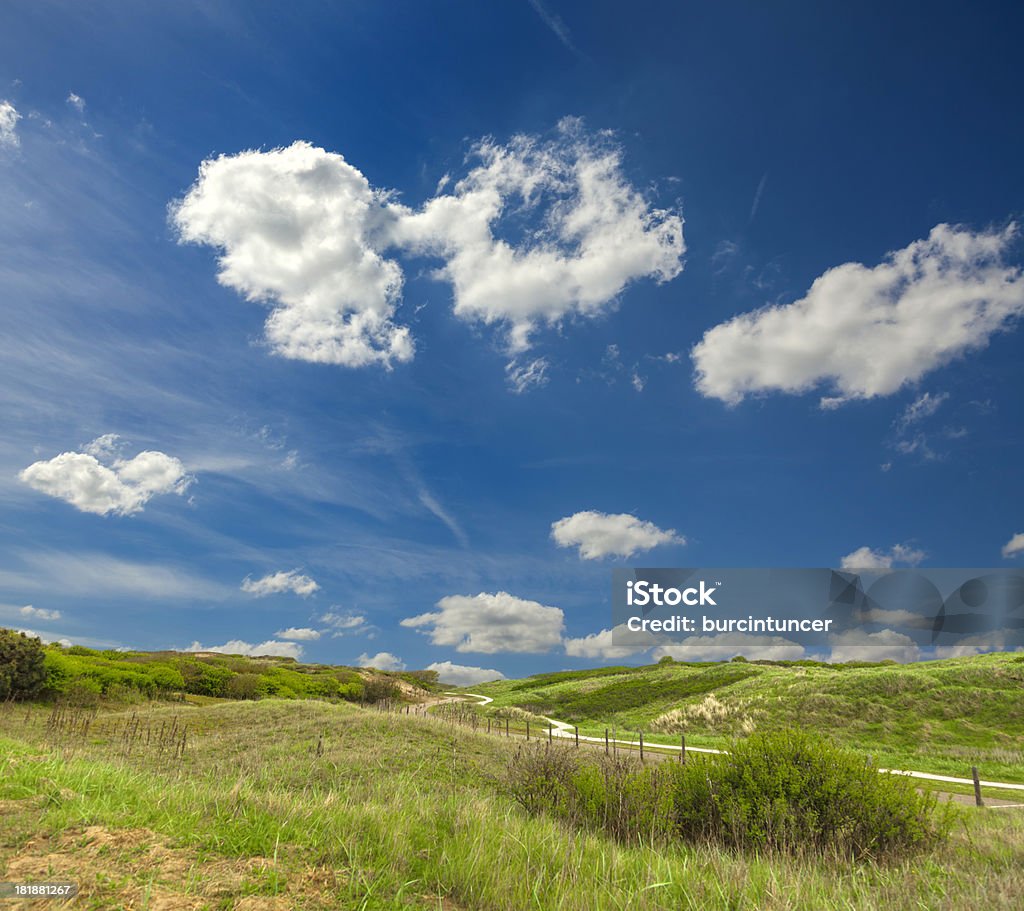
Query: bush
[(377, 689), (22, 665), (243, 686), (788, 791), (83, 693)]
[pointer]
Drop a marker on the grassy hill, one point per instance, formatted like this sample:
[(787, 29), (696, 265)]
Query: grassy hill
[(941, 716), (85, 676), (306, 804)]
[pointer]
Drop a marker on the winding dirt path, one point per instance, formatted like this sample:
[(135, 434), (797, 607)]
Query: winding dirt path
[(564, 730)]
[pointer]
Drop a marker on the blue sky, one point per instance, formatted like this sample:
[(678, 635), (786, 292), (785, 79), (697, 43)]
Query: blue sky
[(717, 285)]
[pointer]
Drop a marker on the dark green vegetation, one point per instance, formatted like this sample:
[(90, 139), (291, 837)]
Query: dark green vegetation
[(22, 665), (938, 716), (309, 805), (788, 791), (84, 675)]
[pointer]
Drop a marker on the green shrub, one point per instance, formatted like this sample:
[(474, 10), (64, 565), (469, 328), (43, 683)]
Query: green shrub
[(243, 686), (377, 689), (22, 665), (788, 791), (203, 679), (83, 693)]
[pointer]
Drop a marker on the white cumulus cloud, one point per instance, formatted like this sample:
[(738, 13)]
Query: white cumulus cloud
[(462, 675), (867, 331), (280, 582), (599, 534), (537, 231), (40, 613), (76, 101), (382, 661), (604, 644), (885, 645), (345, 623), (491, 623), (298, 633), (299, 229), (723, 646), (868, 558), (9, 118), (122, 487), (590, 232), (270, 648), (1014, 546), (42, 637)]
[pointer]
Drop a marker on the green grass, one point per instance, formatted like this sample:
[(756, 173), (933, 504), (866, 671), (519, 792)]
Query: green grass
[(85, 675), (398, 811), (936, 716)]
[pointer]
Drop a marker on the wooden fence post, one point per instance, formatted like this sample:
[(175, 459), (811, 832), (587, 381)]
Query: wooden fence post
[(641, 746), (977, 786), (682, 749), (506, 727), (551, 729), (606, 741), (577, 730), (527, 728)]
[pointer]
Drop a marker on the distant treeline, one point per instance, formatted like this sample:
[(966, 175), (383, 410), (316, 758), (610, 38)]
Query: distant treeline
[(84, 674)]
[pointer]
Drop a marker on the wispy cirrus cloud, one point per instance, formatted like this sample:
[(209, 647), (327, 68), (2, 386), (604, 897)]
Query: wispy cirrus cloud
[(92, 573), (554, 22)]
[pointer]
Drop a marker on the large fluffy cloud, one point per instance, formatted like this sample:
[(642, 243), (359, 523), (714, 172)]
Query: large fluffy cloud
[(589, 232), (280, 582), (491, 623), (300, 228), (536, 231), (462, 675), (122, 487), (382, 661), (600, 534), (270, 648), (868, 331)]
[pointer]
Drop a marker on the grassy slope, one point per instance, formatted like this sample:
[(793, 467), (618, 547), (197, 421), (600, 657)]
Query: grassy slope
[(398, 812), (939, 716)]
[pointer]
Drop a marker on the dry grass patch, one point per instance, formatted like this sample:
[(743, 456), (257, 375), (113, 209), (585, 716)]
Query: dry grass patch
[(139, 869)]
